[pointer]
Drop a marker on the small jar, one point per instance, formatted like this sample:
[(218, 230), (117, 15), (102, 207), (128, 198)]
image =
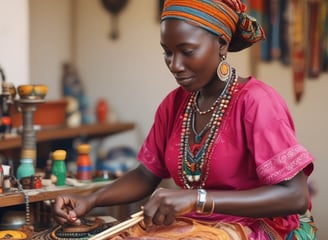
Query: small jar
[(84, 167), (59, 167), (25, 169)]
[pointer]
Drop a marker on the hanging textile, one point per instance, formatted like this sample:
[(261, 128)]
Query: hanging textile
[(256, 10), (324, 28), (314, 56), (297, 28), (297, 36)]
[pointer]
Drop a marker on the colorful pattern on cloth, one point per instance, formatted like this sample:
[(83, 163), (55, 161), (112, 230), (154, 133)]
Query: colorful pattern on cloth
[(306, 231), (186, 228), (225, 18)]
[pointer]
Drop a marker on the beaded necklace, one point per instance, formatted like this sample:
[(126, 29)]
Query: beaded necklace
[(216, 102), (193, 169)]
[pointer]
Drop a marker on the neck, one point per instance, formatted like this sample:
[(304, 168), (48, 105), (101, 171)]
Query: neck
[(212, 89)]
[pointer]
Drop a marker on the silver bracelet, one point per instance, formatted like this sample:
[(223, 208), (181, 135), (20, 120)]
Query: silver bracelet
[(201, 200)]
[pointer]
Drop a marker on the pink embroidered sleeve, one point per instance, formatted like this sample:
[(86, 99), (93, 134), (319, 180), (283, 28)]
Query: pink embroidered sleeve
[(271, 137)]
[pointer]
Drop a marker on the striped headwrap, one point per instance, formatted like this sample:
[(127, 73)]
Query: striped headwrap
[(225, 18)]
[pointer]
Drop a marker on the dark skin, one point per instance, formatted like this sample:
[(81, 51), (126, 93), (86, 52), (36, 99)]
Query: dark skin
[(192, 55)]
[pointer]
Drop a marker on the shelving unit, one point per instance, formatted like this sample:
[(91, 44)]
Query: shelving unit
[(43, 194), (50, 134), (55, 134)]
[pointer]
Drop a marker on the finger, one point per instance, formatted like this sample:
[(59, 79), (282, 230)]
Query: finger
[(60, 220), (149, 213), (62, 209), (159, 218), (72, 216), (169, 219)]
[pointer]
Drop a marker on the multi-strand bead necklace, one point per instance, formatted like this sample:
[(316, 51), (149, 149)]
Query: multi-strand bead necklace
[(194, 169)]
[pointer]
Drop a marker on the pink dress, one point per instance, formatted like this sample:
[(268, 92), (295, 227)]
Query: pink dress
[(256, 146)]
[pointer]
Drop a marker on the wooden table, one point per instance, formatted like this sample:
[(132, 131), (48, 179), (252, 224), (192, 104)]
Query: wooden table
[(37, 195)]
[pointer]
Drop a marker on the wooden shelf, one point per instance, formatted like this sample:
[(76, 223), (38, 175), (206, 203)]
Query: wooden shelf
[(37, 195), (49, 134)]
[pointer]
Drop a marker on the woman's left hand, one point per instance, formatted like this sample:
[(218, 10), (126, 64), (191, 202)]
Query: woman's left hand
[(165, 205)]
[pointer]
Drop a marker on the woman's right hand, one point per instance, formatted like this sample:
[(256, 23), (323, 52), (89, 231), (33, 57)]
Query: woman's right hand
[(69, 208)]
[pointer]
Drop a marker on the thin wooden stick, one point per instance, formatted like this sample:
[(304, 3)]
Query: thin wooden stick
[(135, 218), (137, 214)]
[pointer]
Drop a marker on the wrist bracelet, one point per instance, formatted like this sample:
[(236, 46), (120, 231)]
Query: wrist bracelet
[(211, 210), (201, 200)]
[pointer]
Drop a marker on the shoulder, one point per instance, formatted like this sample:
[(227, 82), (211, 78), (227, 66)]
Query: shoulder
[(257, 89), (257, 98), (255, 92)]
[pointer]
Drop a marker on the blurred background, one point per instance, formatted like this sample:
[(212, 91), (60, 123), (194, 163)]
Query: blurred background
[(38, 36)]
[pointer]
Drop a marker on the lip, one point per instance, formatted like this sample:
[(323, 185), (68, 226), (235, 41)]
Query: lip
[(183, 81)]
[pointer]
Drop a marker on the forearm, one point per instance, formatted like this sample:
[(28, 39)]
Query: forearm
[(268, 201), (132, 186)]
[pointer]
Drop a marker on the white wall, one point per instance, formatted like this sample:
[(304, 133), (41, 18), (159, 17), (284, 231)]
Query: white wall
[(14, 40), (50, 35), (131, 75)]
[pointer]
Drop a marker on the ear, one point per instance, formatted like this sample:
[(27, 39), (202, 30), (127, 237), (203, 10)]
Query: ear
[(223, 45)]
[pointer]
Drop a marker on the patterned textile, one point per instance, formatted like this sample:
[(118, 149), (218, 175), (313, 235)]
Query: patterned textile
[(306, 231), (226, 18), (186, 228)]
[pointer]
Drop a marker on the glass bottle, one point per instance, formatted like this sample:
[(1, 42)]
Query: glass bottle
[(59, 166)]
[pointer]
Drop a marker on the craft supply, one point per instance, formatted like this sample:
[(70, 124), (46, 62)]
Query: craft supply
[(59, 166), (134, 219)]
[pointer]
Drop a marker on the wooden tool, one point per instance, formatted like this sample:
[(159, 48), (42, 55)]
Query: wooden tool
[(134, 219)]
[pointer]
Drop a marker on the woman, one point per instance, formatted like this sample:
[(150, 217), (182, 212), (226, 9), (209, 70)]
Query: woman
[(228, 142)]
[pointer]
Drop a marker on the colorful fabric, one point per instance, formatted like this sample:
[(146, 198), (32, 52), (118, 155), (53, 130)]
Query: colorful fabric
[(185, 228), (306, 231), (256, 140), (226, 18)]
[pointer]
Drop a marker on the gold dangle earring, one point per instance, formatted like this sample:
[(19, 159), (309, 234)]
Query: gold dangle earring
[(223, 70)]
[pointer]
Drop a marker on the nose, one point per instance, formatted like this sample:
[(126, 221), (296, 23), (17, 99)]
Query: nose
[(175, 64)]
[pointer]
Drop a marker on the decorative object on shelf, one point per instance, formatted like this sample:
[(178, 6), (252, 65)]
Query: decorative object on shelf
[(59, 166), (26, 167), (116, 161), (32, 92), (72, 87), (73, 114), (30, 97), (84, 163), (102, 111), (114, 7)]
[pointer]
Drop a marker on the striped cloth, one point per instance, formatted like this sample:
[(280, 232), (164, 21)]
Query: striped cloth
[(226, 18)]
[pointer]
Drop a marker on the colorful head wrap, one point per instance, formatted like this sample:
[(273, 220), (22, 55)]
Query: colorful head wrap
[(225, 18)]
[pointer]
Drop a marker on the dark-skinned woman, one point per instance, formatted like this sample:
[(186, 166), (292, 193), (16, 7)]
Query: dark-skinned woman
[(228, 142)]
